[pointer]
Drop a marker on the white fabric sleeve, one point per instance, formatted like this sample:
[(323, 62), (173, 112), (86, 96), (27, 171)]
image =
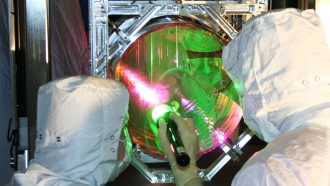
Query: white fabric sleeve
[(299, 157)]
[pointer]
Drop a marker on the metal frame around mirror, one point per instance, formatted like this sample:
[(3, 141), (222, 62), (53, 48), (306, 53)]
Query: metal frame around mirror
[(117, 27)]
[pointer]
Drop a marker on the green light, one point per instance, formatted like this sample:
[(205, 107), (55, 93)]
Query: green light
[(160, 111), (187, 60)]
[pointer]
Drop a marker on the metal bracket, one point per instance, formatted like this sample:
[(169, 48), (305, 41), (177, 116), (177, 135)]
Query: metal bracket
[(106, 48), (166, 175)]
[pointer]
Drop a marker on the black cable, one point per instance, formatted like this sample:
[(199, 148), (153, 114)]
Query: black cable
[(9, 134), (12, 135)]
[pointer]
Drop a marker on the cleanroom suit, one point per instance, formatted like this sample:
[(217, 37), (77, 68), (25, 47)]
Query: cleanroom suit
[(79, 122), (280, 65)]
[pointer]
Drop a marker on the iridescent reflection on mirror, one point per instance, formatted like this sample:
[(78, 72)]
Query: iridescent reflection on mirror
[(179, 65)]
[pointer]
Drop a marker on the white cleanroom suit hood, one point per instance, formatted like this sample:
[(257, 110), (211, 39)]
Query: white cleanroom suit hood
[(79, 122), (280, 64)]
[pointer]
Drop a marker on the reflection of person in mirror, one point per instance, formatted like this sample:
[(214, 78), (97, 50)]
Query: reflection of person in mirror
[(204, 62), (185, 87)]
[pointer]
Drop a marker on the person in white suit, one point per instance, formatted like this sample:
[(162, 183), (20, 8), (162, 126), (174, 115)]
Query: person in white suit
[(79, 126), (280, 64)]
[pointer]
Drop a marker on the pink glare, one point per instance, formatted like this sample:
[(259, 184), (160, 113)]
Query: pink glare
[(187, 105), (218, 137), (146, 93), (172, 148)]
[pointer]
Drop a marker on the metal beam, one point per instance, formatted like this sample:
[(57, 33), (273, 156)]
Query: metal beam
[(37, 60)]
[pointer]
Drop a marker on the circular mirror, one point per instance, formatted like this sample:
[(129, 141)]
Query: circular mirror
[(179, 65)]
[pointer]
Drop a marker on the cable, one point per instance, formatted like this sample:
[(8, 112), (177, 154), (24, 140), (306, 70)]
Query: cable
[(9, 134), (12, 135)]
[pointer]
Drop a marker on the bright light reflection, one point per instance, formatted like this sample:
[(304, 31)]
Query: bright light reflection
[(149, 95), (218, 137)]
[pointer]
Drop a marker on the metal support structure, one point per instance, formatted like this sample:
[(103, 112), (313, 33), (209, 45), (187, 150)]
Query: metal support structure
[(37, 60), (13, 47), (230, 152), (29, 69), (107, 48), (99, 36), (166, 175)]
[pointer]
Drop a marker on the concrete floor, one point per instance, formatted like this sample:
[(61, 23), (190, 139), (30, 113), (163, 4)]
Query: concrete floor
[(131, 176)]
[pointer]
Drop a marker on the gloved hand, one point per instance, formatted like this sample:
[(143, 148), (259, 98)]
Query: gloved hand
[(187, 175)]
